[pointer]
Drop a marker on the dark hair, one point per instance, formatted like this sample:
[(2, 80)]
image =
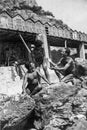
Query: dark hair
[(27, 64), (38, 42), (67, 50)]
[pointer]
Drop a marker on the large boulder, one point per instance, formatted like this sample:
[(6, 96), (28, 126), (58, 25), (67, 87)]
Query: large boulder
[(15, 111), (54, 106)]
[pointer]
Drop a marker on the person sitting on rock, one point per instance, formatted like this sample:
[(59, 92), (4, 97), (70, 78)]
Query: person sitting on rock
[(65, 66), (32, 78)]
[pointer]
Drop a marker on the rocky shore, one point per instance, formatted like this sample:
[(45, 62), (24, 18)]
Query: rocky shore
[(57, 107)]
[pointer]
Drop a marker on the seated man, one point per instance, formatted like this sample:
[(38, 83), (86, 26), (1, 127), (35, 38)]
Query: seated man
[(32, 78), (65, 66)]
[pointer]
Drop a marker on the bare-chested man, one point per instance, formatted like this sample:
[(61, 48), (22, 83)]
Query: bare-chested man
[(31, 82), (65, 66)]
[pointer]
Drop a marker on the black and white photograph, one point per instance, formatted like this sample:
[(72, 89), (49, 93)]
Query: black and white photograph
[(43, 64)]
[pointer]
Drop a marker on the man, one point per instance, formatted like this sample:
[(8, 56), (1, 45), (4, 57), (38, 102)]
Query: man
[(38, 55), (65, 66), (31, 82)]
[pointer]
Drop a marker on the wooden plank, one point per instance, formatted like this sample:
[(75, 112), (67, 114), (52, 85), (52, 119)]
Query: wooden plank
[(24, 43)]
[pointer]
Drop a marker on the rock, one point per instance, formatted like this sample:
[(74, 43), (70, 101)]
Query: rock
[(54, 105), (72, 118), (82, 92), (49, 127), (84, 83), (10, 82), (14, 113), (57, 122), (79, 125), (81, 66), (59, 106)]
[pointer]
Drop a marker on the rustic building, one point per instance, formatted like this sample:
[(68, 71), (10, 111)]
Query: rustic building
[(11, 24)]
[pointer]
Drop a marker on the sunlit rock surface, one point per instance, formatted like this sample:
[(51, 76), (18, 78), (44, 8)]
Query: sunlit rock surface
[(10, 81)]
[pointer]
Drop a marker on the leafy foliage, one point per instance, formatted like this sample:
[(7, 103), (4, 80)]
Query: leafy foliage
[(13, 5), (59, 22)]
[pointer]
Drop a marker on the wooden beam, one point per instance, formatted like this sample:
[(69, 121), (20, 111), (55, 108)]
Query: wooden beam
[(24, 43)]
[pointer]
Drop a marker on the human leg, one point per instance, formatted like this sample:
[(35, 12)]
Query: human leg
[(36, 90), (45, 69)]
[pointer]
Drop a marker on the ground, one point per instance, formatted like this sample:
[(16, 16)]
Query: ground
[(58, 106)]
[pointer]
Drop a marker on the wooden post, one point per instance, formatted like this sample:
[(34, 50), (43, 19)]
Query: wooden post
[(45, 45), (65, 43), (25, 43), (82, 51)]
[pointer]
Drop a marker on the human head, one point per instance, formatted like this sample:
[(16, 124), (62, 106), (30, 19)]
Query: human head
[(66, 52), (39, 37), (32, 66), (38, 40)]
